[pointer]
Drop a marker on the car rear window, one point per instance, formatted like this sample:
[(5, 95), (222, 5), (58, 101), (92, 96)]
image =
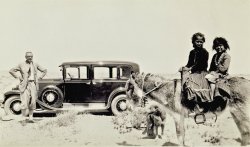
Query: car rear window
[(101, 73), (116, 72), (124, 72)]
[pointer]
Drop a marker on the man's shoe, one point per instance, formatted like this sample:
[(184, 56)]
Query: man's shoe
[(144, 132), (192, 114), (30, 121), (23, 122), (219, 109), (199, 109)]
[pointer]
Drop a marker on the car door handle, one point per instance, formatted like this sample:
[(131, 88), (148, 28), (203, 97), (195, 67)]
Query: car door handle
[(94, 83), (88, 83)]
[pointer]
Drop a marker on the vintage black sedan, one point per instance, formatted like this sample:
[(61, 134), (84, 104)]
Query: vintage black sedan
[(84, 84)]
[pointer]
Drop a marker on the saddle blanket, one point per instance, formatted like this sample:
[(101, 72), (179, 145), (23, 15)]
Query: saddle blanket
[(197, 88)]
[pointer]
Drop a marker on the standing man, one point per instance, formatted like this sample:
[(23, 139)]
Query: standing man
[(130, 85), (28, 84)]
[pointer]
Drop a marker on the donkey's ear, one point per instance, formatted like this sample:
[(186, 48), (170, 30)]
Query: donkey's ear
[(147, 76), (150, 74)]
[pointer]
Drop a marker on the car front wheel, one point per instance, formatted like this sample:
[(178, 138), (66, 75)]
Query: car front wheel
[(119, 104), (12, 105), (52, 98)]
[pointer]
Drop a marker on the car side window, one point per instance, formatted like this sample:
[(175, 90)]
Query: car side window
[(106, 72), (101, 73), (125, 72), (114, 72), (83, 72)]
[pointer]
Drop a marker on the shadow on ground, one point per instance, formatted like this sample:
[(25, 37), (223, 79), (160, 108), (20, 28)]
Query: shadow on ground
[(54, 114), (124, 143), (170, 144)]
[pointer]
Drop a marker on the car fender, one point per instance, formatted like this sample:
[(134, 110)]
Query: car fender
[(10, 93), (119, 90)]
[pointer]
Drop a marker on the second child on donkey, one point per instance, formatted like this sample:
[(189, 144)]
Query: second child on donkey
[(219, 67)]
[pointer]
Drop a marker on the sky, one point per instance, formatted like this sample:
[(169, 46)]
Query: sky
[(156, 34)]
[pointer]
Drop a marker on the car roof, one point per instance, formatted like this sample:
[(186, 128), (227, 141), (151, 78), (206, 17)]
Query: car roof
[(135, 65)]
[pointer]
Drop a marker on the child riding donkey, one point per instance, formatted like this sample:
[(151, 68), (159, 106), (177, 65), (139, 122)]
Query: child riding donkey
[(199, 88), (195, 86), (219, 67)]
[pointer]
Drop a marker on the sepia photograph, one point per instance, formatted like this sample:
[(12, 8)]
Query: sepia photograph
[(124, 73)]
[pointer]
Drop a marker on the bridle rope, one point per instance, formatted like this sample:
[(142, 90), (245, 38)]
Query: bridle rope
[(144, 97)]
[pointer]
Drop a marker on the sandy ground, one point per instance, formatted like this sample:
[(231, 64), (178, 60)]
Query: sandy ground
[(70, 129), (98, 130)]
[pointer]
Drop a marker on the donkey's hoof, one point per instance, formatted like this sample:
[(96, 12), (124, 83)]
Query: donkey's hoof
[(159, 136)]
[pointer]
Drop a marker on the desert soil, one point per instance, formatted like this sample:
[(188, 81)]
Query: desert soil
[(69, 129)]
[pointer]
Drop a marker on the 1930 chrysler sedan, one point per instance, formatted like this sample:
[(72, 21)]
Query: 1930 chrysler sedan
[(82, 84)]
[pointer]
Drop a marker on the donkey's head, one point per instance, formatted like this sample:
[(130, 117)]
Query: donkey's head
[(148, 81), (156, 87)]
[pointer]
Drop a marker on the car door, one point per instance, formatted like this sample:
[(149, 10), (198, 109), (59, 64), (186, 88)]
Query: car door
[(104, 82), (77, 84)]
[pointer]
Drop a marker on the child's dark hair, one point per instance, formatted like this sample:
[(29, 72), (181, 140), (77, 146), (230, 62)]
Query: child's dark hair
[(194, 37), (220, 40)]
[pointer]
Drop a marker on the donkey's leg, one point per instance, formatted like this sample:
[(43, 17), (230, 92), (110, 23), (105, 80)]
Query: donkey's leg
[(180, 130), (156, 131), (182, 126), (240, 115), (162, 128)]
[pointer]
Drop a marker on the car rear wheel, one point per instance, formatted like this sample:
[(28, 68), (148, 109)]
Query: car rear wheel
[(12, 105), (119, 104)]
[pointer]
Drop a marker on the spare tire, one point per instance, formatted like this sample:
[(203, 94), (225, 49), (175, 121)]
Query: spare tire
[(52, 97)]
